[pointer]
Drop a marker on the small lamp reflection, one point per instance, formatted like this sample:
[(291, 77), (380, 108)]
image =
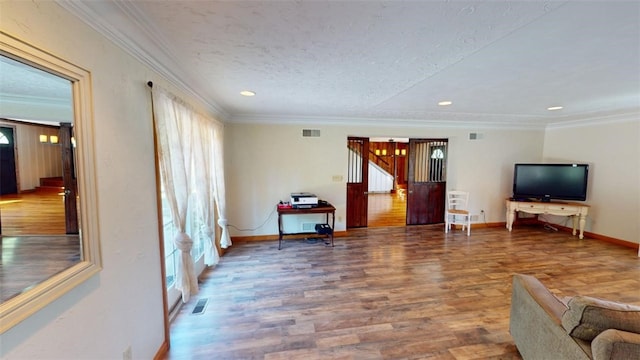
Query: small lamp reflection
[(53, 139), (43, 138)]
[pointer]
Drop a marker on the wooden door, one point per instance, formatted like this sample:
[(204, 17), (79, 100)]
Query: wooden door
[(8, 179), (69, 179), (426, 183), (357, 182)]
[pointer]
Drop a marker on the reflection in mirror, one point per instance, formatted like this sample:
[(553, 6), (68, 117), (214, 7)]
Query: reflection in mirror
[(38, 229), (48, 215)]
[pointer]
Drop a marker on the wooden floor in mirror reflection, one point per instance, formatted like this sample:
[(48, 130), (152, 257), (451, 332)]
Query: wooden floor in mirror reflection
[(33, 240), (33, 213)]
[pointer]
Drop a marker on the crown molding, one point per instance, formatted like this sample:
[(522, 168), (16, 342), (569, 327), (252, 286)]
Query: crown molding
[(450, 120), (130, 35), (386, 122), (35, 100), (600, 119)]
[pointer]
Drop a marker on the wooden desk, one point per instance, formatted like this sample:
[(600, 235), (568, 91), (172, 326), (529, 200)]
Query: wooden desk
[(575, 210), (322, 209)]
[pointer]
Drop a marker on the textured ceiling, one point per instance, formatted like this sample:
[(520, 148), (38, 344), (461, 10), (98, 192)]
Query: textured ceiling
[(27, 93), (501, 63)]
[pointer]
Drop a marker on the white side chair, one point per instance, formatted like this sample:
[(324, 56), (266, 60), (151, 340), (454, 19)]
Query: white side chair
[(457, 212)]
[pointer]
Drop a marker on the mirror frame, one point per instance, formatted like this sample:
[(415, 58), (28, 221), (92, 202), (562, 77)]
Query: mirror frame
[(32, 300)]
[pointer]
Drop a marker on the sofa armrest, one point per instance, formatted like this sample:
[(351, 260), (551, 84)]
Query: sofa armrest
[(535, 323), (545, 298), (616, 344)]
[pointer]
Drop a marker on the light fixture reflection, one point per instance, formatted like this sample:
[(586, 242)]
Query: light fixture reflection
[(53, 139), (43, 138)]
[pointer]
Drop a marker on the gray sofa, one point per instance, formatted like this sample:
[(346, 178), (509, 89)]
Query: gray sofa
[(546, 327)]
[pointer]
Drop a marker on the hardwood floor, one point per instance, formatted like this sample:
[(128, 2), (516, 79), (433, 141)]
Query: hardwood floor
[(389, 293), (36, 213), (28, 260), (387, 209), (33, 241)]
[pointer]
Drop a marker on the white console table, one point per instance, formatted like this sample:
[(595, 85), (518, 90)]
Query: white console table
[(575, 210)]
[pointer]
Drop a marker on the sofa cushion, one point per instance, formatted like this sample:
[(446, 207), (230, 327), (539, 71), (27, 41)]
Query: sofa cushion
[(616, 344), (586, 317)]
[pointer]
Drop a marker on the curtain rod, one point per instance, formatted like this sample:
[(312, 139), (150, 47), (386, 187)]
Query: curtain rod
[(150, 84)]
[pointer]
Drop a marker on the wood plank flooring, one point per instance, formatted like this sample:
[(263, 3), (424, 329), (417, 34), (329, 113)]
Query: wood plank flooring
[(33, 241), (29, 260), (36, 213), (387, 209), (389, 293)]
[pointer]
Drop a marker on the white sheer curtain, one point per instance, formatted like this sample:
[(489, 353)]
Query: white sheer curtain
[(191, 163), (225, 239), (205, 187), (175, 129)]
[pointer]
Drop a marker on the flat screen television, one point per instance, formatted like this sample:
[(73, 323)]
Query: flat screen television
[(544, 182)]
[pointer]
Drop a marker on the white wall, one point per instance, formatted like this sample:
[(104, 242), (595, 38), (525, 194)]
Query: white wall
[(613, 152), (380, 181), (122, 305), (265, 163)]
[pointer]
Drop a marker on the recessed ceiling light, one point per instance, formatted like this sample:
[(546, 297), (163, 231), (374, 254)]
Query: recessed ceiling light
[(445, 103), (247, 93), (552, 108)]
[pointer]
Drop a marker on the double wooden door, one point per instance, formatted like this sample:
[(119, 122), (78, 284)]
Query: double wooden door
[(426, 183)]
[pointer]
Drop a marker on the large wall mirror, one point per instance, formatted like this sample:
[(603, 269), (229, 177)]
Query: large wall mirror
[(48, 204)]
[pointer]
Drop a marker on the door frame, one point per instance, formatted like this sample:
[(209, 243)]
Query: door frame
[(436, 188), (65, 134)]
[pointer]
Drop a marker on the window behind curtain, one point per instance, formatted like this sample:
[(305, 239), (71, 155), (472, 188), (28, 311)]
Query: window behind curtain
[(194, 229)]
